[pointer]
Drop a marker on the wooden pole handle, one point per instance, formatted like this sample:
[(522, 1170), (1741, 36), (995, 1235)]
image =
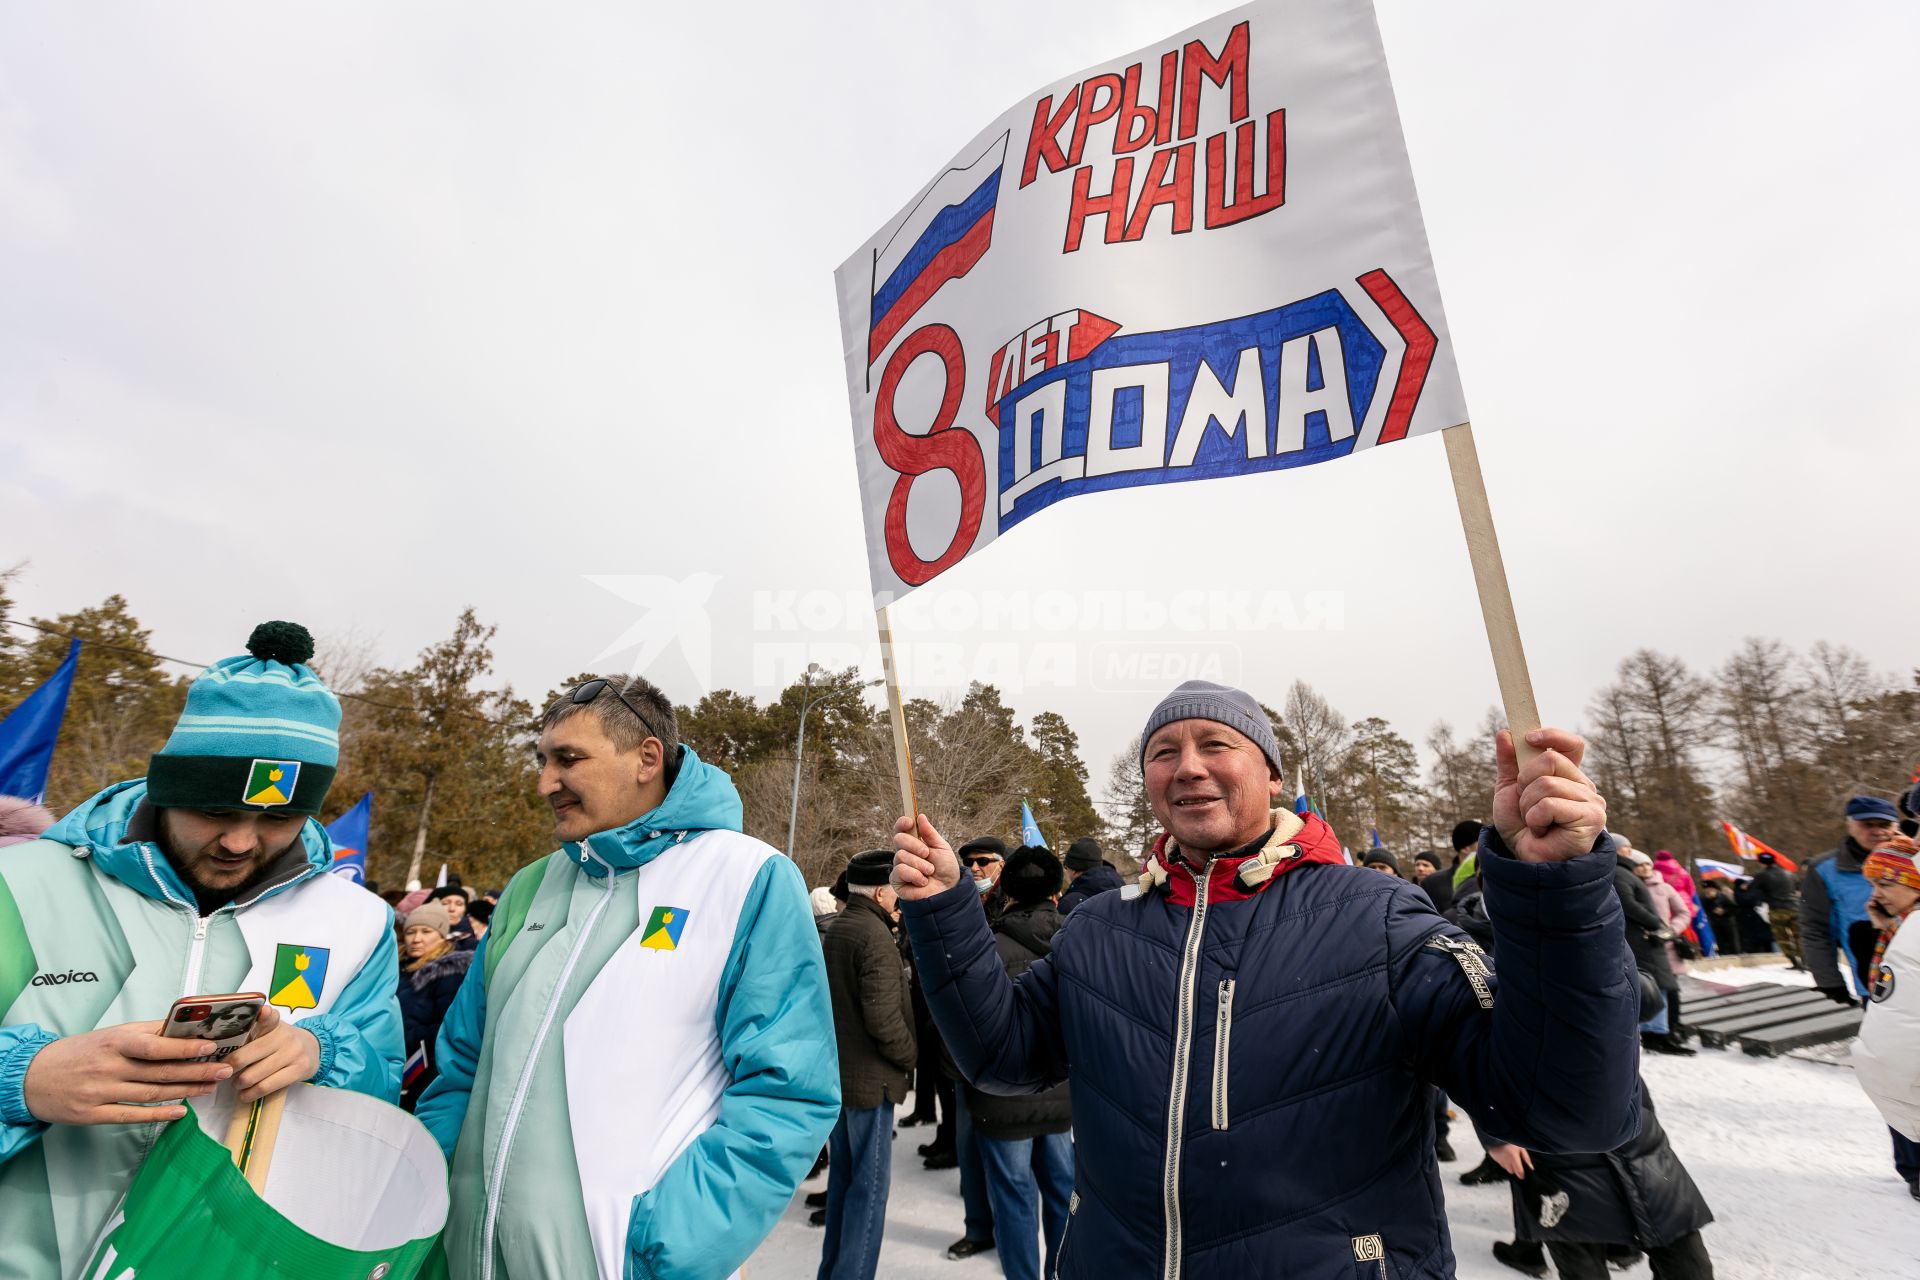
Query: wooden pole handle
[(897, 711), (251, 1135), (1490, 576)]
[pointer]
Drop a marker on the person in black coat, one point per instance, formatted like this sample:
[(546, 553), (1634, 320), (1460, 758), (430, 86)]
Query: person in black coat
[(1087, 873), (1647, 937), (1716, 900), (430, 977), (1756, 935), (873, 1032), (1583, 1208), (1435, 878), (1022, 1139)]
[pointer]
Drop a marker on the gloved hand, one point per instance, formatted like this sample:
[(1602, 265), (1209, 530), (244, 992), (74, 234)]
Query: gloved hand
[(1839, 995)]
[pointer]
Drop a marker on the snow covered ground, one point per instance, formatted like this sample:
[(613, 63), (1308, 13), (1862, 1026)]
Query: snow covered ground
[(1791, 1156)]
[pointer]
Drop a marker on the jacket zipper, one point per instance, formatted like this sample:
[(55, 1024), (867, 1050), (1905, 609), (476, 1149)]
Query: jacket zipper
[(496, 1181), (1073, 1209), (1223, 1029), (1182, 1057)]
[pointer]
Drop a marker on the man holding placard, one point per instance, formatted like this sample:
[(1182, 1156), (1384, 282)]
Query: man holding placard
[(1254, 1034)]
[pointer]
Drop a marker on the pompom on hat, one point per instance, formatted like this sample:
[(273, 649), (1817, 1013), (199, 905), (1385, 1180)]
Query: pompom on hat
[(259, 733)]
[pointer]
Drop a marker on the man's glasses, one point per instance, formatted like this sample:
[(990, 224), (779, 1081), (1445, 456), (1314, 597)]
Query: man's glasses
[(593, 688), (979, 861)]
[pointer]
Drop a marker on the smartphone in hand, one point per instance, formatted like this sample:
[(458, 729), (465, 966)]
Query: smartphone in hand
[(226, 1020)]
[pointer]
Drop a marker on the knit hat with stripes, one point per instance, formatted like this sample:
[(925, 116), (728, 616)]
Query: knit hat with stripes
[(258, 733)]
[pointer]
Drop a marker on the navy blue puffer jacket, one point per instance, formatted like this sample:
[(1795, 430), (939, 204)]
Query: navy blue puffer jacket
[(1249, 1076)]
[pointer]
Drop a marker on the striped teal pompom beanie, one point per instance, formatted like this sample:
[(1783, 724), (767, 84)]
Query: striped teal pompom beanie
[(258, 733)]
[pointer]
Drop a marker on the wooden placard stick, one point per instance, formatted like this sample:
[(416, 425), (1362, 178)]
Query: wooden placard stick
[(251, 1135), (1490, 576), (902, 749)]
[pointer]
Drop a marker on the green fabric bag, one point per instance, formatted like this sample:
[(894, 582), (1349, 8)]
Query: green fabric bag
[(356, 1191)]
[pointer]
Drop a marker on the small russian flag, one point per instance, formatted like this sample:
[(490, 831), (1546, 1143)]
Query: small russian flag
[(416, 1066), (942, 238)]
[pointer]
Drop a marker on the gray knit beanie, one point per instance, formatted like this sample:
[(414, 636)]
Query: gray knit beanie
[(1203, 700)]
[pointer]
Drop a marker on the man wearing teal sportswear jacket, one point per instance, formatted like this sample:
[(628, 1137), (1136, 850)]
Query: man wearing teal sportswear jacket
[(206, 877), (640, 1066)]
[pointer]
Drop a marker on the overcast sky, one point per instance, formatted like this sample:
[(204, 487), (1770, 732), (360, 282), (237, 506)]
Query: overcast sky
[(360, 314)]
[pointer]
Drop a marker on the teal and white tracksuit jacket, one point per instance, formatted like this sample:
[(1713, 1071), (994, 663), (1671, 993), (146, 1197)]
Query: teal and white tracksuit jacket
[(640, 1066), (96, 929)]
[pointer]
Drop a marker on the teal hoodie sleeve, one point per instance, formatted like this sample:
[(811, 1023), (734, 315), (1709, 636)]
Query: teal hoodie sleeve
[(18, 1128), (360, 1035), (456, 1055), (718, 1200)]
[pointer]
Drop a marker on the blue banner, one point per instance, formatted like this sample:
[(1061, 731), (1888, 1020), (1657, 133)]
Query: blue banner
[(348, 832), (1029, 829), (31, 730)]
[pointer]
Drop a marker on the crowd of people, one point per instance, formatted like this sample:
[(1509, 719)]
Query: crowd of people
[(1242, 1061)]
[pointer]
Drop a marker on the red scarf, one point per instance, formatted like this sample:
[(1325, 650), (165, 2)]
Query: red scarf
[(1314, 842)]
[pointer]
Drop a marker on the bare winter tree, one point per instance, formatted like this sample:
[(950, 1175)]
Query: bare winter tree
[(1130, 824), (1319, 733), (1651, 723)]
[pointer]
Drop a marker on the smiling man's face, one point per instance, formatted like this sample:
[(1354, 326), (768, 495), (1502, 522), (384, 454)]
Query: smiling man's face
[(1209, 785), (592, 784)]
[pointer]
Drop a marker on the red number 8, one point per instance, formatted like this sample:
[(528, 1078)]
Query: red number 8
[(940, 449)]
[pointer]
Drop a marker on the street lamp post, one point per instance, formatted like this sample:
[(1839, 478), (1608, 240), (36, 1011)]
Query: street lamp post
[(800, 745)]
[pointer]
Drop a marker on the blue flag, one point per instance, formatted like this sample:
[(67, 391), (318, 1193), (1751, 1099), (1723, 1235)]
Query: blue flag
[(1029, 829), (348, 832), (28, 734), (1376, 837)]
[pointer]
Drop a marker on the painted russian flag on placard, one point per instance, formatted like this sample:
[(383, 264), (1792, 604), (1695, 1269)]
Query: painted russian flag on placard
[(940, 240)]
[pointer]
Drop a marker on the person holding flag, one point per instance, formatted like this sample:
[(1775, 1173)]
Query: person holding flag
[(1249, 940), (208, 875)]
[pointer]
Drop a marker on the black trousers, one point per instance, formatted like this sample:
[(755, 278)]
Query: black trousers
[(1684, 1259), (1906, 1155)]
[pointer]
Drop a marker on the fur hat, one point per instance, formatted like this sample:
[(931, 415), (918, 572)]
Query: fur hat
[(432, 916), (1033, 875), (874, 867)]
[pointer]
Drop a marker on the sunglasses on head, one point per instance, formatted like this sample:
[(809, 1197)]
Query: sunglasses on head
[(593, 688)]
